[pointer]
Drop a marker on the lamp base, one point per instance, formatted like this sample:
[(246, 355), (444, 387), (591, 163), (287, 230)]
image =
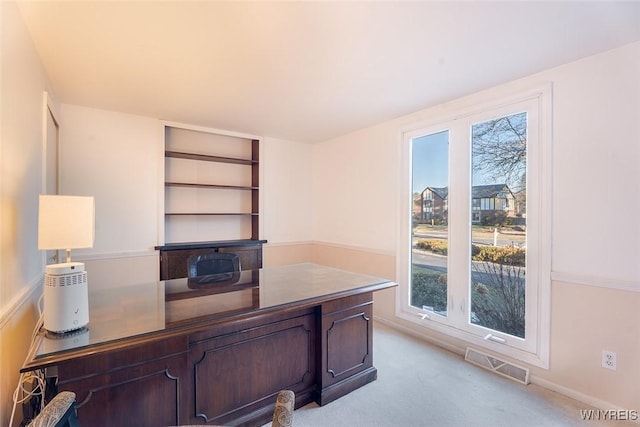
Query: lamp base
[(66, 297)]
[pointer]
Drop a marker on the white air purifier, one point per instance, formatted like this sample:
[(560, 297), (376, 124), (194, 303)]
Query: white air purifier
[(65, 222), (66, 297)]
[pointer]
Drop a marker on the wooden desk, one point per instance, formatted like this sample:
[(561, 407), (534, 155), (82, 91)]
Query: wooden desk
[(168, 353)]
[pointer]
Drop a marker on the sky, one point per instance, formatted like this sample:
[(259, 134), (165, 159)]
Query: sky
[(430, 161)]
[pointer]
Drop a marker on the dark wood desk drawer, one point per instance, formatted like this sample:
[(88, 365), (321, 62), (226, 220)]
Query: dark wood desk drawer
[(124, 386)]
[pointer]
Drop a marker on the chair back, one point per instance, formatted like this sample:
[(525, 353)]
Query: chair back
[(59, 412)]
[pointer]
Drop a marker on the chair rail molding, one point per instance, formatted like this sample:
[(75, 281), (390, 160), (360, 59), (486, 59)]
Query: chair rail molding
[(596, 281)]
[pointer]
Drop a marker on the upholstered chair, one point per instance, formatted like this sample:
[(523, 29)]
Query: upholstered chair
[(283, 412), (59, 412)]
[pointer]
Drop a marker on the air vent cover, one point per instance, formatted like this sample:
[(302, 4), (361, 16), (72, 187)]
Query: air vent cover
[(494, 364)]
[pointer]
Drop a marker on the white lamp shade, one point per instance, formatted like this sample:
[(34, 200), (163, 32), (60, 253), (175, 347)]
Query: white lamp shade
[(65, 222)]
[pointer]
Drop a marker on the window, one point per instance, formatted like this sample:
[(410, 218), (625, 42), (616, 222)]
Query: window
[(428, 290), (498, 271), (476, 263)]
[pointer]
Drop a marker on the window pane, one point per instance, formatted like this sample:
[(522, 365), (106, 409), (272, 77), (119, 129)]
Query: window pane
[(498, 230), (430, 234)]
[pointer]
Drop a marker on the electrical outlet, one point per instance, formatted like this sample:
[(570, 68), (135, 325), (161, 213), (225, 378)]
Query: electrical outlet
[(609, 360)]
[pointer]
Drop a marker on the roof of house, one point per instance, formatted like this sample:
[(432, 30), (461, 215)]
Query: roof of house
[(477, 191), (441, 192), (488, 191)]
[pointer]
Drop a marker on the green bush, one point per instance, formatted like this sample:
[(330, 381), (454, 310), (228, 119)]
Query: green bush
[(498, 308), (429, 288), (434, 245), (498, 290), (475, 250), (507, 255), (498, 302)]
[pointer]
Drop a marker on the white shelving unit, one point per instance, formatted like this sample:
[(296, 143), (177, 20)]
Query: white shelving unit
[(211, 185)]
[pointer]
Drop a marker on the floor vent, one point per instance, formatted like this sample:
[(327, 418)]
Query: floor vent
[(502, 367)]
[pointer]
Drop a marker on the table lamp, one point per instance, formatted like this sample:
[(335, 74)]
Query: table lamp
[(65, 222)]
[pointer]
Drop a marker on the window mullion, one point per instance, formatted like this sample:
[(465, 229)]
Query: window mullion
[(459, 215)]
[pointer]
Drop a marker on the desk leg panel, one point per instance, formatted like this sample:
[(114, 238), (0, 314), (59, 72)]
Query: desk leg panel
[(346, 346), (236, 376)]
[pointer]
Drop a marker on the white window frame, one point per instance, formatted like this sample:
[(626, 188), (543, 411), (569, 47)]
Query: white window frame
[(458, 118)]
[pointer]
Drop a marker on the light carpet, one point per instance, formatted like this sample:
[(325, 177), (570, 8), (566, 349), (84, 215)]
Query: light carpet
[(420, 384)]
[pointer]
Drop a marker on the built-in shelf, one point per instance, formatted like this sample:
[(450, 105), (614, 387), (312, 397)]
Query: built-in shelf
[(217, 244), (208, 158), (212, 186), (212, 213)]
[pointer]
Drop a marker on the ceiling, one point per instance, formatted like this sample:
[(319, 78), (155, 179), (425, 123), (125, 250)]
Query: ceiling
[(306, 71)]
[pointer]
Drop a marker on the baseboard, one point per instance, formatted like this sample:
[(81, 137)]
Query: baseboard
[(549, 385), (580, 397), (428, 338)]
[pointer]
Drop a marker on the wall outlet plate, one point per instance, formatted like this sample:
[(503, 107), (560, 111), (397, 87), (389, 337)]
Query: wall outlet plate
[(609, 360)]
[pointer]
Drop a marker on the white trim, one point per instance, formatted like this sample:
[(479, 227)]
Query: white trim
[(261, 186), (391, 253), (475, 340), (581, 397), (421, 335), (49, 106), (161, 187), (3, 205), (285, 244), (166, 123), (595, 281), (318, 243), (116, 255), (49, 109), (18, 302)]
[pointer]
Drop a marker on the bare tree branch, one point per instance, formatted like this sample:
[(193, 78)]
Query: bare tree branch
[(500, 149)]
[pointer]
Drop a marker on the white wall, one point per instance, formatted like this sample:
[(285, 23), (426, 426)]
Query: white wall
[(354, 181), (595, 235), (287, 191), (596, 160), (22, 83), (116, 158)]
